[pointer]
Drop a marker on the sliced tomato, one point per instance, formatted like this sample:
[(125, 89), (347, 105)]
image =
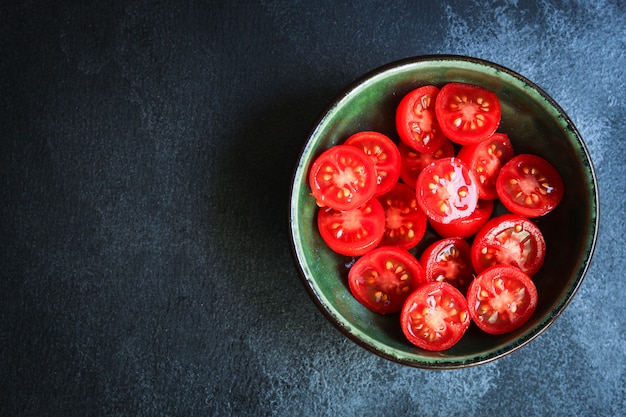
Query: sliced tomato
[(467, 113), (485, 159), (352, 232), (467, 226), (501, 299), (529, 185), (385, 155), (448, 260), (405, 222), (509, 239), (343, 178), (435, 316), (446, 190), (416, 122), (382, 279), (413, 162)]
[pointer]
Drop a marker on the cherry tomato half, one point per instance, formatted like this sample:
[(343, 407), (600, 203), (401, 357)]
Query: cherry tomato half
[(446, 190), (343, 178), (352, 232), (385, 155), (435, 316), (509, 239), (382, 279), (448, 260), (529, 185), (467, 113), (416, 122), (405, 222), (413, 162), (467, 226), (485, 159), (501, 299)]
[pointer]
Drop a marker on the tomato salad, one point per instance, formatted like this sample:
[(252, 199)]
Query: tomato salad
[(449, 167)]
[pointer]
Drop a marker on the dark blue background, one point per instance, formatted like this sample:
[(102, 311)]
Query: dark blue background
[(145, 160)]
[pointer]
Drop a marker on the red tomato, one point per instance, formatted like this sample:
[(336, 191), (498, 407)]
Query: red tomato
[(509, 239), (485, 159), (435, 316), (465, 227), (385, 155), (416, 122), (467, 113), (529, 185), (413, 162), (405, 222), (382, 279), (352, 232), (446, 190), (448, 260), (343, 178), (501, 299)]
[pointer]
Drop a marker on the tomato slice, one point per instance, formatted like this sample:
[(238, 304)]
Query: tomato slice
[(385, 155), (467, 113), (435, 316), (405, 222), (448, 260), (416, 122), (412, 162), (509, 239), (343, 178), (501, 299), (468, 226), (352, 232), (382, 279), (485, 159), (446, 190), (529, 185)]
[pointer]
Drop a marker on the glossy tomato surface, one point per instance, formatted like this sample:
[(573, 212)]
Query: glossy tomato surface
[(448, 260), (501, 299), (416, 122), (467, 226), (435, 316), (405, 222), (382, 279), (413, 162)]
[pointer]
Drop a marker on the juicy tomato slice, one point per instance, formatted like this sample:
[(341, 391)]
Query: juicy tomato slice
[(529, 185), (352, 232), (468, 226), (343, 178), (435, 316), (467, 113), (448, 260), (405, 222), (446, 190), (501, 299), (416, 122), (382, 279), (385, 155), (413, 162), (509, 239), (485, 160)]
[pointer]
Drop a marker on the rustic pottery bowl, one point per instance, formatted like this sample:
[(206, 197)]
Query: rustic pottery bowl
[(535, 124)]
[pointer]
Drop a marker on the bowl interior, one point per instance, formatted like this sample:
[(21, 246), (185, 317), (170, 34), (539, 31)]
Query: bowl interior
[(534, 123)]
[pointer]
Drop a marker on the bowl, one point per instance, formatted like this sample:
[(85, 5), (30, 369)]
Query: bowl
[(535, 124)]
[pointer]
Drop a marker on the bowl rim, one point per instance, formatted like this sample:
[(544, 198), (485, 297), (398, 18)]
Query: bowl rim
[(562, 302)]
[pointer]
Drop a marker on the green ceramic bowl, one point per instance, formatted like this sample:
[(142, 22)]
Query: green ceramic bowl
[(535, 124)]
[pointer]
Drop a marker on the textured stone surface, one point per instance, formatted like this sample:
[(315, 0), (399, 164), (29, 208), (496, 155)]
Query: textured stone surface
[(145, 161)]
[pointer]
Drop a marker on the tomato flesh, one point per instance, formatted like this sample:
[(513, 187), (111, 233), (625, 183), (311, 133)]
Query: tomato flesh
[(383, 278), (405, 222), (412, 162), (467, 226), (416, 122), (467, 113), (530, 186), (448, 260), (385, 155), (501, 299), (352, 232), (509, 239), (342, 178), (435, 316)]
